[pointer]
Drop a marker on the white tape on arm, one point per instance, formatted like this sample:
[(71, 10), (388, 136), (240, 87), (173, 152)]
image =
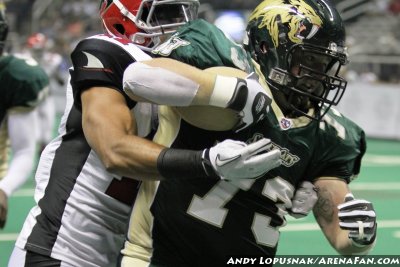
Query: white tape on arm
[(159, 85), (224, 89)]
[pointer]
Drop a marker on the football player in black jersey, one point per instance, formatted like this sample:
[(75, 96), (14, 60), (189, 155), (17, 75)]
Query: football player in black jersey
[(87, 177)]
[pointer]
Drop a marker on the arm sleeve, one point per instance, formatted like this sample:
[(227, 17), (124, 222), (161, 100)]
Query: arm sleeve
[(338, 157), (23, 146)]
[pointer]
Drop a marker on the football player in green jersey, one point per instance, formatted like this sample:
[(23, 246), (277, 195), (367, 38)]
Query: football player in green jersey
[(98, 156), (297, 47), (300, 58), (23, 86)]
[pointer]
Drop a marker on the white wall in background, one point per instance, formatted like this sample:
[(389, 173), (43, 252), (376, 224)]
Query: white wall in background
[(375, 107)]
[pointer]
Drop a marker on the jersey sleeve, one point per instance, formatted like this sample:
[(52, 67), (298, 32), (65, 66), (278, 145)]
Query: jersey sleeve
[(30, 92), (341, 146), (100, 62), (26, 84), (203, 45)]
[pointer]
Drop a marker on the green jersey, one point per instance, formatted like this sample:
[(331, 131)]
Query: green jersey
[(194, 44), (204, 222), (23, 85)]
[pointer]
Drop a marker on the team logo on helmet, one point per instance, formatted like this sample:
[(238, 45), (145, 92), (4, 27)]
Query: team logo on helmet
[(302, 20)]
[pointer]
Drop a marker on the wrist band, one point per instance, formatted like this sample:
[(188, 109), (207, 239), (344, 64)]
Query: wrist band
[(181, 163)]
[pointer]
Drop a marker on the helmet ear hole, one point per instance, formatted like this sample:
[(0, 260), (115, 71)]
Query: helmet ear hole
[(120, 28), (264, 48)]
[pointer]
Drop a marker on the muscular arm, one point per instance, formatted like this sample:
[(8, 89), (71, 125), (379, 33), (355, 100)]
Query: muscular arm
[(221, 90), (331, 193), (110, 130)]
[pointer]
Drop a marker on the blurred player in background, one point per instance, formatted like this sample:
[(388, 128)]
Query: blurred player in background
[(85, 179), (24, 85), (38, 47), (299, 48)]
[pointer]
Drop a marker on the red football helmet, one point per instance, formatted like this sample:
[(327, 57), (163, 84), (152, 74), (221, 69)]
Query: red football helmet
[(144, 21), (36, 41)]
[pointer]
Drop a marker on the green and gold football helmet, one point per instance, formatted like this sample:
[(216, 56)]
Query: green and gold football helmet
[(300, 47)]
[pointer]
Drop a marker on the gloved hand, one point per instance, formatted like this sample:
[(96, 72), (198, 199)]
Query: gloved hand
[(3, 208), (303, 200), (252, 105), (358, 216), (236, 160)]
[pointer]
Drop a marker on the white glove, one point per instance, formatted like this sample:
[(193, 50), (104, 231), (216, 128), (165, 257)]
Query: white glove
[(257, 103), (358, 216), (236, 160), (303, 200)]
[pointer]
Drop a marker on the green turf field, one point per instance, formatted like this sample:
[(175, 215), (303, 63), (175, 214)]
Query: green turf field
[(379, 182)]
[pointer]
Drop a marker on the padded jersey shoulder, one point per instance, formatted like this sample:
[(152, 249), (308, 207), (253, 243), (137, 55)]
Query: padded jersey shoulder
[(341, 144), (24, 82), (101, 60), (203, 45)]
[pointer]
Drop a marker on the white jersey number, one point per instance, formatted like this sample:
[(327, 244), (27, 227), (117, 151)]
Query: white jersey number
[(210, 208)]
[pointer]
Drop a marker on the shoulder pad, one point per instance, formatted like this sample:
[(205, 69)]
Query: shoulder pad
[(203, 45)]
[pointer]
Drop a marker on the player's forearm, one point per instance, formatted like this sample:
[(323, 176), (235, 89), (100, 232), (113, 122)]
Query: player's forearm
[(111, 131), (346, 246), (179, 84), (336, 237), (341, 242), (331, 192), (133, 157)]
